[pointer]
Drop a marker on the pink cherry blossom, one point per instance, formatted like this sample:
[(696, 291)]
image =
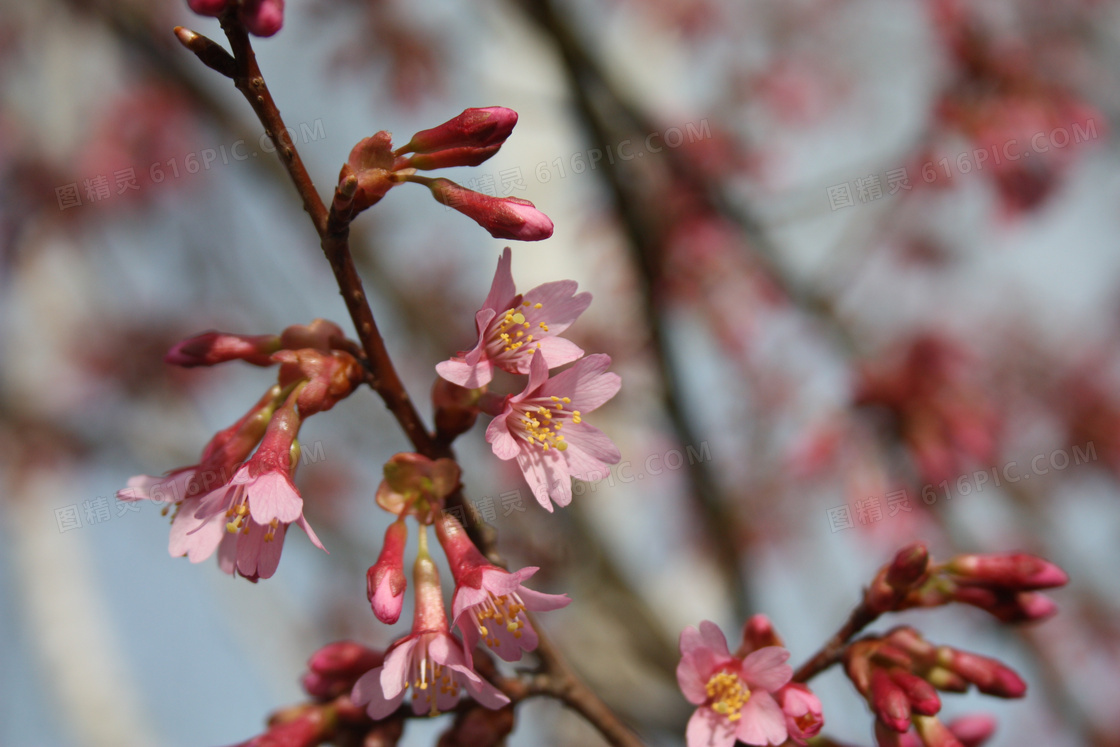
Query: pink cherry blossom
[(734, 697), (489, 602), (512, 328), (429, 660), (543, 428), (256, 507)]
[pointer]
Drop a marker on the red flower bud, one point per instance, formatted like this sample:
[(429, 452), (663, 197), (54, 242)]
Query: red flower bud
[(208, 7), (973, 730), (908, 567), (889, 701), (215, 347), (337, 666), (758, 633), (474, 128), (503, 217), (923, 698), (263, 17), (444, 159), (1018, 572), (385, 580), (989, 676)]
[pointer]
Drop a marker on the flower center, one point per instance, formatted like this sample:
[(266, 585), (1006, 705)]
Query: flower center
[(504, 611), (429, 680), (237, 516), (543, 419), (510, 331), (728, 694)]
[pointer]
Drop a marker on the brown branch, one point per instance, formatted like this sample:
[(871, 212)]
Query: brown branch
[(833, 649), (334, 239)]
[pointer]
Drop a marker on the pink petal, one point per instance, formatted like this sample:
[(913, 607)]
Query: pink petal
[(762, 722), (765, 669), (713, 638), (585, 382), (269, 557), (560, 305), (367, 690), (706, 729), (557, 351), (273, 496), (396, 669), (692, 679), (536, 601), (498, 436), (301, 522), (458, 371), (502, 289), (547, 475)]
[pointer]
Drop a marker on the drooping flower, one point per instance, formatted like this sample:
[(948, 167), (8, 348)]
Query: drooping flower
[(543, 428), (430, 660), (489, 602), (184, 488), (734, 696), (513, 327), (258, 504)]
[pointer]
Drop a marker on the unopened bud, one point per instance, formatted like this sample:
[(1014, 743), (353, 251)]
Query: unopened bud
[(908, 567), (990, 676), (385, 580), (934, 733), (456, 408), (263, 17), (479, 727), (208, 7), (1018, 572), (503, 217), (211, 348), (923, 698), (889, 701), (371, 163), (474, 128), (336, 667), (445, 159), (758, 633), (974, 730)]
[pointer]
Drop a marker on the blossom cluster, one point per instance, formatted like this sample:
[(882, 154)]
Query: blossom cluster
[(240, 498), (542, 426)]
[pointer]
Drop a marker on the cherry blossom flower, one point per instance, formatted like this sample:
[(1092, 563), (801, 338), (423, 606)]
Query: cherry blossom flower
[(734, 697), (430, 660), (185, 487), (257, 505), (489, 602), (543, 428), (513, 327)]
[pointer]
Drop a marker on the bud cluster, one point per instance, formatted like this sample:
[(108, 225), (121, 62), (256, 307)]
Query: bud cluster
[(900, 673), (469, 139), (1004, 585)]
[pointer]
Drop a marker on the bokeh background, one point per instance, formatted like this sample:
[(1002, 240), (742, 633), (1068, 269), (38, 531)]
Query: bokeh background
[(855, 261)]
